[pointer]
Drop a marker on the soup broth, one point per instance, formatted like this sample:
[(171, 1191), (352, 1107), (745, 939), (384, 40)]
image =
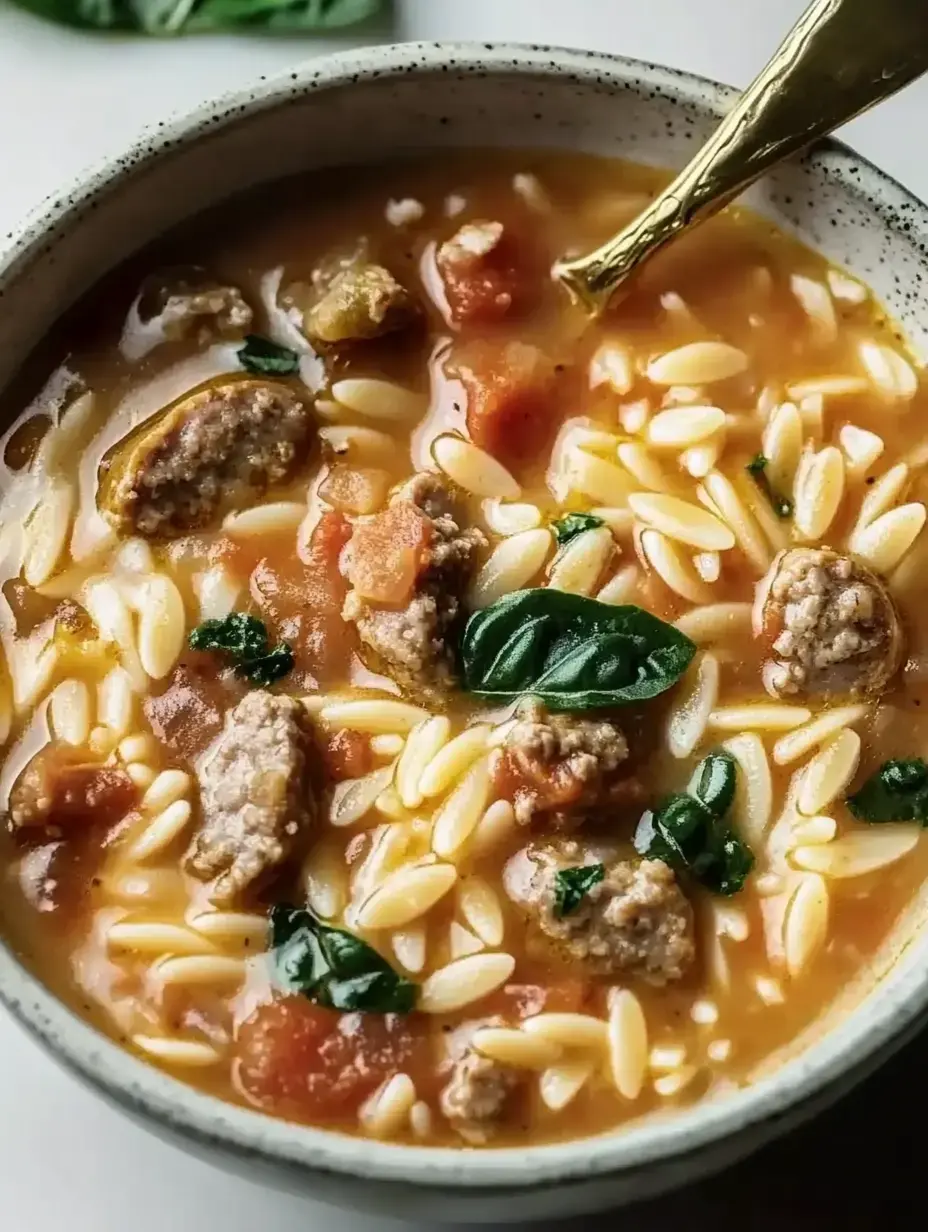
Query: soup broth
[(431, 715)]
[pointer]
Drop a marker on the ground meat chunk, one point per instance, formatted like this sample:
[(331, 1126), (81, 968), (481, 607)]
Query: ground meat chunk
[(62, 787), (562, 767), (635, 921), (362, 301), (212, 450), (476, 1097), (414, 636), (256, 794), (833, 626), (179, 303), (223, 306)]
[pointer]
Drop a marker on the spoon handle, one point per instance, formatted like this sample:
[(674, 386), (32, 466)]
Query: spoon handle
[(840, 58)]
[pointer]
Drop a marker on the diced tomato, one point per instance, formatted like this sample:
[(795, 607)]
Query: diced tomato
[(188, 713), (387, 553), (308, 1063), (517, 1001), (483, 272), (512, 404), (348, 755), (354, 489), (302, 599)]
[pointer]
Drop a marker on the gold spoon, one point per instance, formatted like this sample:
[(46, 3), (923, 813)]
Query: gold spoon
[(841, 57)]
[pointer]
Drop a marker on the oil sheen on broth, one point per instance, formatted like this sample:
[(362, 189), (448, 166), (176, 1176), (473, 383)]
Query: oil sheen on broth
[(277, 823)]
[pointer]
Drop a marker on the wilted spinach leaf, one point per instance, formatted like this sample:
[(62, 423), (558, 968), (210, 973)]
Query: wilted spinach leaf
[(573, 524), (266, 358), (244, 640), (572, 652), (333, 967), (168, 17), (571, 885), (690, 833), (715, 781), (898, 791)]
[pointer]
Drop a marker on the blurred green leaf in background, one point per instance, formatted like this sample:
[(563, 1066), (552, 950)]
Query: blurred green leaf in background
[(167, 17)]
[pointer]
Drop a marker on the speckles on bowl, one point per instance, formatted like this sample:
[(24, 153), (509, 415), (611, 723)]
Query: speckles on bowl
[(367, 105)]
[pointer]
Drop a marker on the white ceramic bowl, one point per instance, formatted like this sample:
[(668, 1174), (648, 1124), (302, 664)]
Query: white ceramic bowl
[(370, 106)]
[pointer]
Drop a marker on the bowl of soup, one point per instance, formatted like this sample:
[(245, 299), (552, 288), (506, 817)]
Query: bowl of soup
[(461, 758)]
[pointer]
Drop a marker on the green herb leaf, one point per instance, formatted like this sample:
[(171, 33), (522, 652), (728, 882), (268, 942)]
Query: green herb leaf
[(269, 668), (572, 652), (689, 832), (238, 635), (334, 968), (244, 640), (757, 467), (169, 17), (715, 782), (573, 524), (266, 358), (571, 885), (898, 791)]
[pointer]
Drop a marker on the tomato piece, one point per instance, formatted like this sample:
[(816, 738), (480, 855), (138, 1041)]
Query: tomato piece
[(480, 271), (347, 755), (302, 600), (354, 489), (298, 1060), (512, 404), (387, 553)]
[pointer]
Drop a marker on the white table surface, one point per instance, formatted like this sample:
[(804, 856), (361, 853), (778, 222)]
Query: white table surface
[(67, 1163)]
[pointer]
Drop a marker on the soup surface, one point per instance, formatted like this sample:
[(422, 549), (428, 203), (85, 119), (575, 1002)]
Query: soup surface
[(433, 716)]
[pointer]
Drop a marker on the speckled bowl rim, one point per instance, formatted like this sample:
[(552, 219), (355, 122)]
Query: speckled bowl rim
[(802, 1086)]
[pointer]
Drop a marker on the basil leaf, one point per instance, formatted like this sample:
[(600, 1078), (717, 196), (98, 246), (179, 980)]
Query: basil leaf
[(757, 469), (898, 791), (571, 885), (167, 17), (334, 968), (571, 652), (244, 640), (689, 832), (266, 358), (239, 635), (715, 783), (574, 524), (268, 668)]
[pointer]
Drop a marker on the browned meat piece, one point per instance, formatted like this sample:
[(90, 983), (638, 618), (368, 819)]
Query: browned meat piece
[(635, 921), (187, 715), (413, 636), (61, 787), (478, 1092), (182, 303), (187, 304), (833, 626), (362, 301), (562, 767), (256, 794), (212, 450)]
